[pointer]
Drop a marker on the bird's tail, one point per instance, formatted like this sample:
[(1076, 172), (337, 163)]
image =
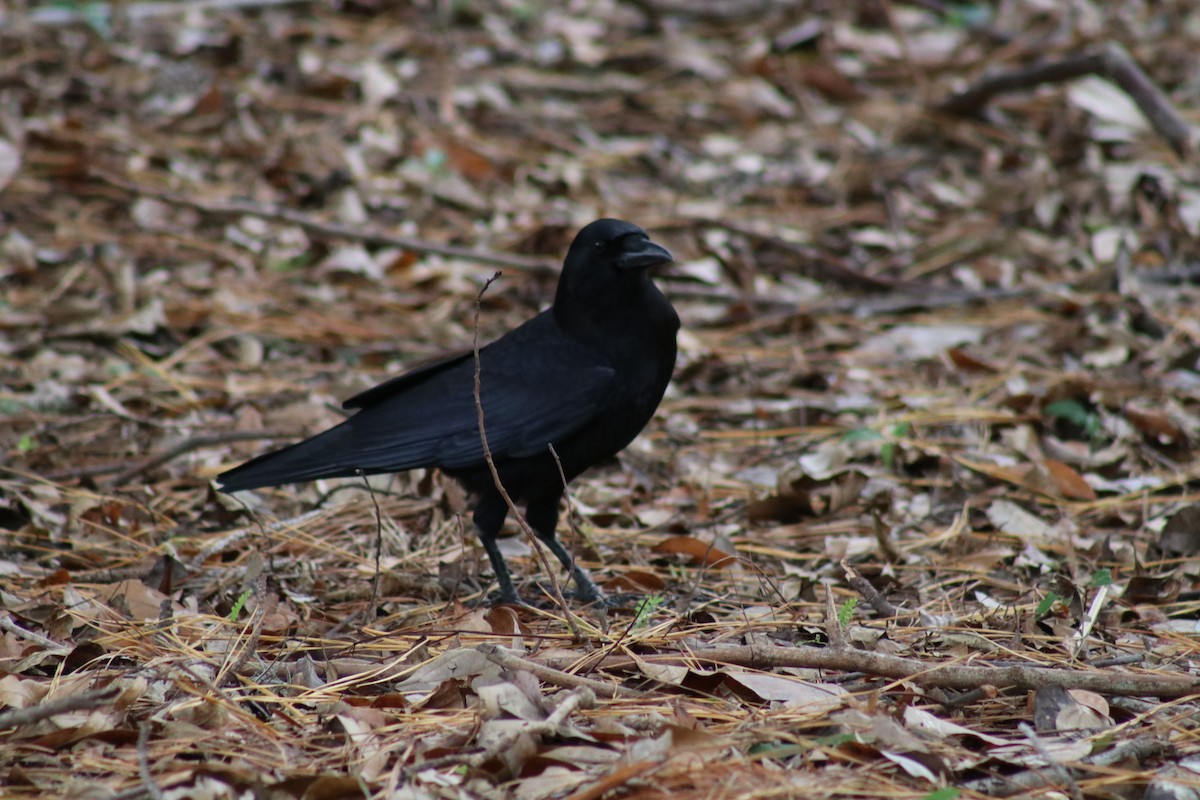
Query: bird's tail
[(322, 456)]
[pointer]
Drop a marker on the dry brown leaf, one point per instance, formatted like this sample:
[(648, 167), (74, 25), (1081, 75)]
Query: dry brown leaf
[(1068, 482), (700, 553)]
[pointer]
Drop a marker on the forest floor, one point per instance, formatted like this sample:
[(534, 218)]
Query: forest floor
[(918, 516)]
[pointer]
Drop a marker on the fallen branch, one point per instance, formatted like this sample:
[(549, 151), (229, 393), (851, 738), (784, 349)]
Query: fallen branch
[(1109, 61), (553, 676), (924, 673), (9, 626), (878, 603)]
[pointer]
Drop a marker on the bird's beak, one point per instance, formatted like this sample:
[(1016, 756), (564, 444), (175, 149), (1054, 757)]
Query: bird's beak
[(642, 253)]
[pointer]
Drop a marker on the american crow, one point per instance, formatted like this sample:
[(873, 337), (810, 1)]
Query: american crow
[(584, 376)]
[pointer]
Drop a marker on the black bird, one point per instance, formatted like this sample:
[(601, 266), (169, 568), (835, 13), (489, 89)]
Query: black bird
[(583, 377)]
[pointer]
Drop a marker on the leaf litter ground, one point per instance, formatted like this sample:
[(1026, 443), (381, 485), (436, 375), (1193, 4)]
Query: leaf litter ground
[(917, 516)]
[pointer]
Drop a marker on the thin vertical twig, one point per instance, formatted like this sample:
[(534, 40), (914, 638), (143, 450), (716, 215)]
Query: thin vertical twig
[(370, 615), (487, 456)]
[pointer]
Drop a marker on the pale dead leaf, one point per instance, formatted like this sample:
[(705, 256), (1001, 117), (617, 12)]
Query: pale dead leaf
[(461, 663), (829, 459), (910, 765), (551, 782), (502, 698), (1088, 711), (917, 342), (1023, 755), (362, 726), (1008, 517), (137, 598), (352, 260), (918, 719), (670, 674), (18, 692), (878, 729), (791, 692), (10, 162), (1106, 102), (379, 83), (508, 740)]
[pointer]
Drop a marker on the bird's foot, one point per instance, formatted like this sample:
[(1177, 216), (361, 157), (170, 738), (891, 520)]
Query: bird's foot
[(545, 600), (586, 590)]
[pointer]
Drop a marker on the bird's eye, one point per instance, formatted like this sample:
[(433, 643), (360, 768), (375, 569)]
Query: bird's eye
[(598, 245)]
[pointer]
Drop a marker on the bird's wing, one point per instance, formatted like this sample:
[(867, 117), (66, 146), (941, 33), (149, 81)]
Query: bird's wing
[(537, 384), (434, 422), (523, 415), (531, 397), (411, 378)]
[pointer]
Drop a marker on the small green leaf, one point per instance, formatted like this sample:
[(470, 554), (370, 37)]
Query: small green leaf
[(1074, 412), (944, 793), (238, 605), (25, 444), (646, 608), (887, 454), (1043, 608), (968, 15), (96, 15), (1070, 410), (862, 435), (1102, 577), (290, 264), (774, 749), (846, 611)]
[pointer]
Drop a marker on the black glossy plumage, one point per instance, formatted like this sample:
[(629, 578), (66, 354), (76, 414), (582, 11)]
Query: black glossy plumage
[(584, 376)]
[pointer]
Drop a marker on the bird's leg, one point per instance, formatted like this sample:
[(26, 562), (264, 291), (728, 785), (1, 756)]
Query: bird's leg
[(489, 517), (542, 515)]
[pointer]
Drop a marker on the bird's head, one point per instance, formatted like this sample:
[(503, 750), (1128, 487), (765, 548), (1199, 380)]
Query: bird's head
[(607, 264)]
